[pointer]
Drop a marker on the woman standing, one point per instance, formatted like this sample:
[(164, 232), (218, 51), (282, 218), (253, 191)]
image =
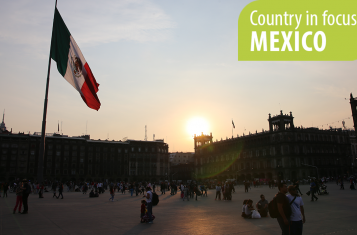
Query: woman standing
[(19, 191)]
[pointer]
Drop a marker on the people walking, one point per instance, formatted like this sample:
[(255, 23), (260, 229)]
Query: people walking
[(25, 194), (313, 190), (60, 190), (54, 188), (19, 191), (111, 190)]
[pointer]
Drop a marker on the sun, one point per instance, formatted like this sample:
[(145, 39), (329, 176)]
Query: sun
[(197, 125)]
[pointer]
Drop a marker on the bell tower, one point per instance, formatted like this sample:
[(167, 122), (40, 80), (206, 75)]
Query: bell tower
[(281, 122), (202, 140)]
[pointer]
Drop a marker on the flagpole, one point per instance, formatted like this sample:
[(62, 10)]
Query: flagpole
[(43, 130)]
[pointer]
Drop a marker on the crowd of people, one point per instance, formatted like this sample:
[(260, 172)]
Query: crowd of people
[(287, 209)]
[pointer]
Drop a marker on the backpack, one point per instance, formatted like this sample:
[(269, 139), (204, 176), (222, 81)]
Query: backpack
[(155, 199), (273, 208)]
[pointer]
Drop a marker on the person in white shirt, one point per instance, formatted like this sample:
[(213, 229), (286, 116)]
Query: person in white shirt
[(243, 208), (248, 209), (297, 209)]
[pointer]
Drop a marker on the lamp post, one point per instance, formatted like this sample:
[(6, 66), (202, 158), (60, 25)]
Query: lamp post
[(313, 166)]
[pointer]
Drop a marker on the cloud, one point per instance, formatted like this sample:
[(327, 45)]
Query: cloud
[(90, 22)]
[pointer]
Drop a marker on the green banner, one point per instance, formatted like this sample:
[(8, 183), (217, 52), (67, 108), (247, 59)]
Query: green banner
[(298, 30)]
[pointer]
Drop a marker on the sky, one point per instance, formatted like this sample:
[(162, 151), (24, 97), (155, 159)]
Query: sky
[(160, 63)]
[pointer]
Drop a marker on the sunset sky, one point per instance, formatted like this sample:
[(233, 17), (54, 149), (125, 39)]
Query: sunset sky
[(164, 64)]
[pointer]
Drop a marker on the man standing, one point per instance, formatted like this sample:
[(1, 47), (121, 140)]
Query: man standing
[(25, 196), (149, 203), (218, 192), (246, 185), (312, 190), (297, 209), (283, 208)]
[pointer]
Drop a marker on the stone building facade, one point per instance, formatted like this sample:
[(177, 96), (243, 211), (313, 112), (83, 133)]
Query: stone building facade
[(80, 158), (283, 152), (181, 158)]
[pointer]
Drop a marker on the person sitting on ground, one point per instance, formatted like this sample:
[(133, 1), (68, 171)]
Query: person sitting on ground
[(262, 206), (76, 188), (243, 208), (248, 209), (92, 194)]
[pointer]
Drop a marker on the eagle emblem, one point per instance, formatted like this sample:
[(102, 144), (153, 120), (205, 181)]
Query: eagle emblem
[(77, 66)]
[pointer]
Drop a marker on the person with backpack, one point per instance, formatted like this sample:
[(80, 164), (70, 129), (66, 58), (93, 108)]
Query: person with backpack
[(297, 209), (283, 209)]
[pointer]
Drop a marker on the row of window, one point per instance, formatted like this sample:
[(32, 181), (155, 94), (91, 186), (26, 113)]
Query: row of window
[(82, 148)]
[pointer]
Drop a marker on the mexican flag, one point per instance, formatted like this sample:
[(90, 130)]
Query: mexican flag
[(71, 63)]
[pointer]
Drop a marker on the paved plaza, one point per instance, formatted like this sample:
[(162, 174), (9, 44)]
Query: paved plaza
[(78, 214)]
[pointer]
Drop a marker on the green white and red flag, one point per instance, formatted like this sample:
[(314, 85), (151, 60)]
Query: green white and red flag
[(71, 63)]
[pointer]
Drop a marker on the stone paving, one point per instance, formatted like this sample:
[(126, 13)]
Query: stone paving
[(78, 214)]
